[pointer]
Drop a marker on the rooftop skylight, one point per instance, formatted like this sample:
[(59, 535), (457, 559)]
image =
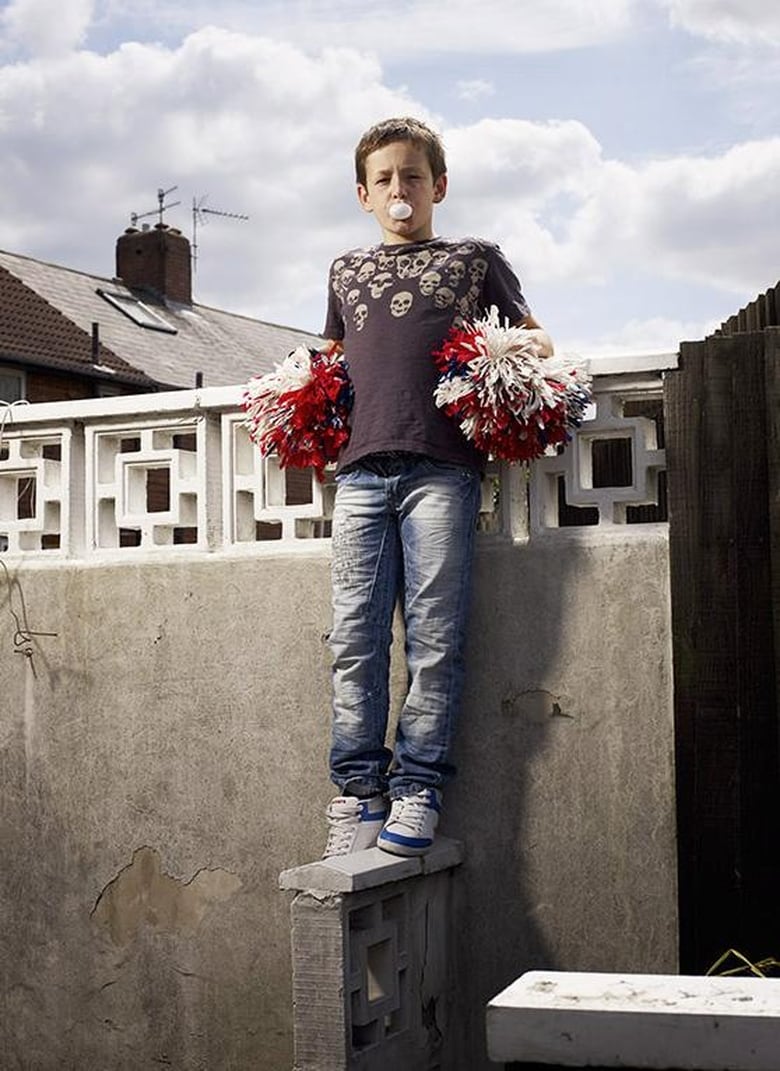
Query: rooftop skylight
[(136, 311)]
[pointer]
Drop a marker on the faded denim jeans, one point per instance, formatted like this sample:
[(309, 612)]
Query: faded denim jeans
[(403, 531)]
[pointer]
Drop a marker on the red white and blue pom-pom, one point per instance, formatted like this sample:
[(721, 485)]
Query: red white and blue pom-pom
[(510, 402), (300, 411)]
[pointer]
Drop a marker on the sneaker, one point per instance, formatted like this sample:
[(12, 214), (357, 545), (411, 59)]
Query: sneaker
[(354, 824), (409, 829)]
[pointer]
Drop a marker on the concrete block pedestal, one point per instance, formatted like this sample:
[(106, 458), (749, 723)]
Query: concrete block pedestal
[(373, 969), (549, 1019)]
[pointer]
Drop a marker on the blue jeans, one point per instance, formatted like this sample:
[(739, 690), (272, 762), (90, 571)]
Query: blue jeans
[(406, 536)]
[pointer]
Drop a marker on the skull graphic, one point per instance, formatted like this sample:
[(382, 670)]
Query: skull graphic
[(403, 265), (366, 271), (345, 279), (443, 297), (429, 280), (401, 303), (456, 272), (478, 270), (380, 283), (467, 307), (353, 295), (421, 261), (360, 315)]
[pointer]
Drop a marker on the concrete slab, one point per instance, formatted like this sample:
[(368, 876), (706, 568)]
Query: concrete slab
[(370, 868), (638, 1021)]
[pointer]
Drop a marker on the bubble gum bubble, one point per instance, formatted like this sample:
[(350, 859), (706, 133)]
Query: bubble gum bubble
[(400, 210)]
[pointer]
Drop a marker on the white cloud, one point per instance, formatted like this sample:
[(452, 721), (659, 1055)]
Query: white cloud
[(401, 28), (258, 125), (474, 89), (700, 219), (46, 28), (268, 130), (564, 211), (521, 158), (522, 183), (730, 21), (656, 334)]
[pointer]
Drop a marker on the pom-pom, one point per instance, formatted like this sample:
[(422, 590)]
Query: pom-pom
[(510, 402), (300, 411)]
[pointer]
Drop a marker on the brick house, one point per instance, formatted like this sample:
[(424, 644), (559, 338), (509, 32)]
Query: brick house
[(67, 334)]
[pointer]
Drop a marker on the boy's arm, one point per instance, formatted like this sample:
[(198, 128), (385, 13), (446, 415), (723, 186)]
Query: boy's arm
[(546, 348)]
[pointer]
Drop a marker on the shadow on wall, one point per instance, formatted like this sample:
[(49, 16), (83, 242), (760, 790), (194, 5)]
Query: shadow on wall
[(514, 715)]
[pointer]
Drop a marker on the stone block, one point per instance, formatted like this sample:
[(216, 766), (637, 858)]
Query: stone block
[(654, 1021), (374, 974)]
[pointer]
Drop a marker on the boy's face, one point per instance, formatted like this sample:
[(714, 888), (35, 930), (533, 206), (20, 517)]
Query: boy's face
[(400, 171)]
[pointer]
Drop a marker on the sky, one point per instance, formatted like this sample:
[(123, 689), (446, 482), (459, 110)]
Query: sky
[(625, 154)]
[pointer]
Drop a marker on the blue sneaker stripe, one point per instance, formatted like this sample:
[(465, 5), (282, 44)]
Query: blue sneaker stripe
[(409, 842)]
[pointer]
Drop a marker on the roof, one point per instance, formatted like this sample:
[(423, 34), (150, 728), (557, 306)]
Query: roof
[(34, 332), (47, 312)]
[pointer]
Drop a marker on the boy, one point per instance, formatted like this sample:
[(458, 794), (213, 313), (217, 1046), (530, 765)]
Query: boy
[(408, 489)]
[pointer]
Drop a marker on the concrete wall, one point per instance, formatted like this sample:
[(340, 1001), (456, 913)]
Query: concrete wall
[(164, 757)]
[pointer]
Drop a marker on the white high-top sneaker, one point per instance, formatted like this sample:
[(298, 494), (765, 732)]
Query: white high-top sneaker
[(354, 824), (412, 823)]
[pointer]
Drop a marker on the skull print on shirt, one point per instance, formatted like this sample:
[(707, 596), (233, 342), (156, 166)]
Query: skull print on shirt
[(396, 279)]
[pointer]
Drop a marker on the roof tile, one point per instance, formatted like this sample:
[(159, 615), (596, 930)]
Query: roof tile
[(47, 312)]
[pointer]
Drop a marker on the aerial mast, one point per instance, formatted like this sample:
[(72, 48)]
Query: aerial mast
[(161, 206), (200, 214)]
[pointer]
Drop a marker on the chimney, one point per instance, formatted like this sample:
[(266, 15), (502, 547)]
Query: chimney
[(157, 259)]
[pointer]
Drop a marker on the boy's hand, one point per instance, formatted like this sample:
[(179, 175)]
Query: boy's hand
[(542, 339)]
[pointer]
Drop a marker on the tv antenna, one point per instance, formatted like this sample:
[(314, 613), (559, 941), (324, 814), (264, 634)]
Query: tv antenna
[(200, 214), (161, 206)]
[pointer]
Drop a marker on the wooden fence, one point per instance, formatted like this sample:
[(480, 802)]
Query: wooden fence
[(723, 458), (761, 313)]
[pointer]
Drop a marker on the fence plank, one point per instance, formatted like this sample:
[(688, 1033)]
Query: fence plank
[(754, 665), (772, 371), (759, 314), (725, 695)]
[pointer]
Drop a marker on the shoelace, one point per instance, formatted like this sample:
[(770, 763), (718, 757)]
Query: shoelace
[(340, 833), (412, 811)]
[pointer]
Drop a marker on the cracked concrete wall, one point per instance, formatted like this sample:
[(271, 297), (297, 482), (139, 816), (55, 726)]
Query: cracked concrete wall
[(163, 757), (142, 895)]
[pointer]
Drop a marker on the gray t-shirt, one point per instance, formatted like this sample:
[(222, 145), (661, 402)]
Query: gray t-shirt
[(393, 305)]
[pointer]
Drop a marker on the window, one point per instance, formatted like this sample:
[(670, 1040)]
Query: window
[(136, 310)]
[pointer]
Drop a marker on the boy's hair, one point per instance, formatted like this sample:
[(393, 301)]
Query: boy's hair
[(403, 129)]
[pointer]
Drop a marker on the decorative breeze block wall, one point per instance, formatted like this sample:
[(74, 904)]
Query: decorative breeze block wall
[(35, 491), (146, 485)]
